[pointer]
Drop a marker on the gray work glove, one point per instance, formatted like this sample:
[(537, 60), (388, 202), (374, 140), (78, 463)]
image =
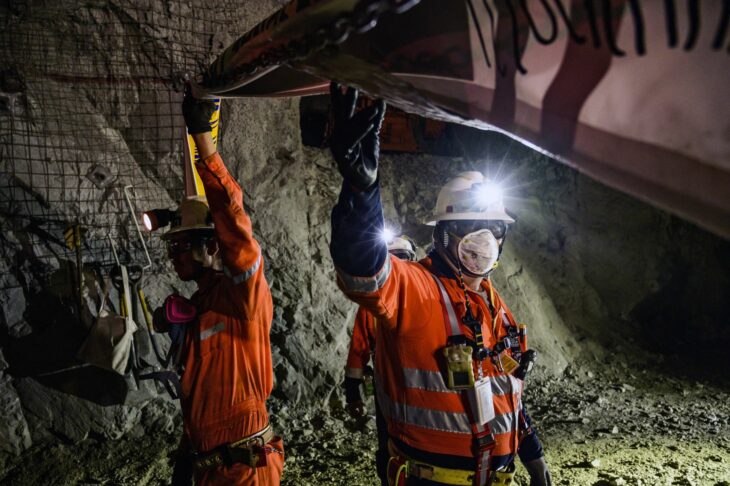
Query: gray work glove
[(197, 113), (539, 473), (354, 144)]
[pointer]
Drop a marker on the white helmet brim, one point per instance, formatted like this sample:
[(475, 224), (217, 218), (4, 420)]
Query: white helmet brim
[(473, 216)]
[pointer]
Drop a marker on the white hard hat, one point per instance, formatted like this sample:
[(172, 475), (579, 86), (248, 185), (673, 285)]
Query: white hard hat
[(470, 196), (399, 243), (192, 214)]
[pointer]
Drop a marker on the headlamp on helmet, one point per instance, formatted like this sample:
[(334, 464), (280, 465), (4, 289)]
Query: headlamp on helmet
[(470, 196), (155, 219), (487, 194)]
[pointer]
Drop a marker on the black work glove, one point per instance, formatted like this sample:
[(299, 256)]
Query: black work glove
[(352, 390), (355, 407), (354, 143), (197, 113)]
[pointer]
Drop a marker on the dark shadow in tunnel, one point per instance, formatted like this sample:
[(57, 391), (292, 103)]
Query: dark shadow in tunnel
[(48, 353), (94, 384), (687, 320)]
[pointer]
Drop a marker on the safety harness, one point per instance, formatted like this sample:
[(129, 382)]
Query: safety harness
[(484, 439)]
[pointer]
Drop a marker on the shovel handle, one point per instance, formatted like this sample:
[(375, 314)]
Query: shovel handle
[(145, 310)]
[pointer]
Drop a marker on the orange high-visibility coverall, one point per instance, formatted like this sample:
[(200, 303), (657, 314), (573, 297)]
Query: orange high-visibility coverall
[(411, 334), (362, 344), (228, 373)]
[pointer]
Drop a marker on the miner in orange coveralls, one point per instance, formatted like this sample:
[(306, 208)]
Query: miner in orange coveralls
[(226, 355), (362, 347), (451, 359)]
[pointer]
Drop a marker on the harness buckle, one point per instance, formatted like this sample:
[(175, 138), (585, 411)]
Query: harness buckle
[(485, 442)]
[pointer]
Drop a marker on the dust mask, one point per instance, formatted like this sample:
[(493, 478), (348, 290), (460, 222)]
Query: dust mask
[(478, 251)]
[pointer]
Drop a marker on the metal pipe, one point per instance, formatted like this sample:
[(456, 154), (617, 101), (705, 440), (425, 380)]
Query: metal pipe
[(136, 225), (114, 249)]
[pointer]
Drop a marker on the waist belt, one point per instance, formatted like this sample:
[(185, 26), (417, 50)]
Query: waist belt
[(248, 451), (423, 470)]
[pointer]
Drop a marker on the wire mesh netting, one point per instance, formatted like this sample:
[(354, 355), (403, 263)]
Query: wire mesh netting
[(89, 104)]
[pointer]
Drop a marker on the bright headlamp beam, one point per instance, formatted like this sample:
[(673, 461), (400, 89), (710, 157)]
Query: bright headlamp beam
[(489, 193), (387, 235), (156, 218), (147, 222)]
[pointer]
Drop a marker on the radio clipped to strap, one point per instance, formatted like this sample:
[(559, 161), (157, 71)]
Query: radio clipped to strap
[(458, 354), (459, 369)]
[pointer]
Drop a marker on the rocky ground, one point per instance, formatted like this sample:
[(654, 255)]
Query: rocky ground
[(623, 426)]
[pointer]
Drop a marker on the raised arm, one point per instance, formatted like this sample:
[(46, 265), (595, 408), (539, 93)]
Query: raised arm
[(240, 252), (360, 256)]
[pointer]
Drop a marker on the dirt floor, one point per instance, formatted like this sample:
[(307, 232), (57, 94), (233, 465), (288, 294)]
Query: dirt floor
[(624, 427)]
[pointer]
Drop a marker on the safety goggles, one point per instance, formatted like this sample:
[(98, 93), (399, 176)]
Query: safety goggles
[(176, 247), (497, 227)]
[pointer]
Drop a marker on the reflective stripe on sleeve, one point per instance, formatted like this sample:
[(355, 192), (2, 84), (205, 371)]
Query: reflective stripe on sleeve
[(244, 276), (356, 373), (366, 284)]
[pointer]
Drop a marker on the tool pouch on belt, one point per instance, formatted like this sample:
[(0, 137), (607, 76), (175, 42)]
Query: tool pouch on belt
[(227, 455), (251, 452)]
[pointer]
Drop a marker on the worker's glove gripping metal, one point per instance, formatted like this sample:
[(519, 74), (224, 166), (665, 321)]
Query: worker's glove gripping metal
[(197, 113), (354, 144)]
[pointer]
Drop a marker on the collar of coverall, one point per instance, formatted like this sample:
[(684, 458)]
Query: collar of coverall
[(436, 265)]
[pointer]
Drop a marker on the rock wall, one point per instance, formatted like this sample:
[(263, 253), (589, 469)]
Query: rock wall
[(595, 274)]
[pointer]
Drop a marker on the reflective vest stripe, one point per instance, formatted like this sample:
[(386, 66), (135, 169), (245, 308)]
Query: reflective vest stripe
[(246, 275), (434, 381), (454, 422), (425, 380), (504, 423), (455, 330), (366, 284), (505, 385), (212, 331)]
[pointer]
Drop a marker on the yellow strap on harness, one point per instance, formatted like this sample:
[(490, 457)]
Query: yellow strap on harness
[(443, 475), (505, 477), (439, 474)]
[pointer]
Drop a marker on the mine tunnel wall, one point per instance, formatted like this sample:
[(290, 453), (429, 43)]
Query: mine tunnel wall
[(595, 274)]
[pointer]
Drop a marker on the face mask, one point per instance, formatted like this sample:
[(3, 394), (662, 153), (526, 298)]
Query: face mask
[(478, 251)]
